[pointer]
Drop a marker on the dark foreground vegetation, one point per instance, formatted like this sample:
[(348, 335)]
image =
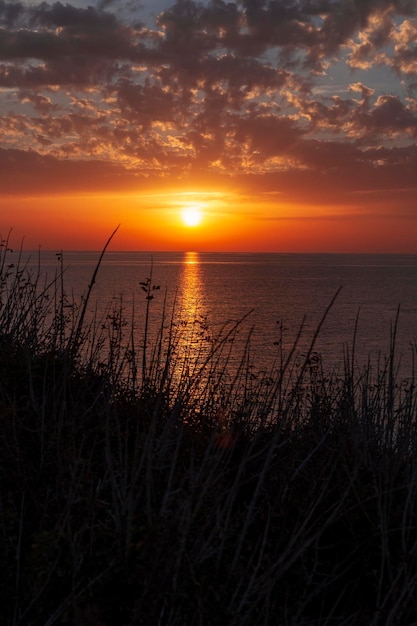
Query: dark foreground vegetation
[(141, 485)]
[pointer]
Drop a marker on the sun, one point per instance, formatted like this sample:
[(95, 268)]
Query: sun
[(191, 216)]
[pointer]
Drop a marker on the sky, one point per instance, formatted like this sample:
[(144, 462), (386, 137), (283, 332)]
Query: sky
[(282, 125)]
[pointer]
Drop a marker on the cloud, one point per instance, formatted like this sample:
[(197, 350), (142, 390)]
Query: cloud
[(28, 172), (216, 88)]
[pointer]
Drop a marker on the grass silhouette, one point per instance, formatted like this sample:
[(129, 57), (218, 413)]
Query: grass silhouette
[(139, 486)]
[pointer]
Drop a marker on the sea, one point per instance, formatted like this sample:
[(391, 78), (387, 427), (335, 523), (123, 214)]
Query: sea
[(358, 302)]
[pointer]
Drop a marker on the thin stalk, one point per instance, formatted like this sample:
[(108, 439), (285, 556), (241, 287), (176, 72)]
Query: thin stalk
[(76, 340)]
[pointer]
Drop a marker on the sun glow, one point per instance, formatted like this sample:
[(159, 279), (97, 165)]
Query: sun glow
[(191, 216)]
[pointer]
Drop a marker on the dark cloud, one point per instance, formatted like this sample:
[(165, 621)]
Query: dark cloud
[(77, 19), (144, 105), (56, 31), (391, 115), (266, 135), (10, 13), (66, 71), (26, 171)]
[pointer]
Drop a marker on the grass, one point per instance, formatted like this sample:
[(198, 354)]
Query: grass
[(142, 486)]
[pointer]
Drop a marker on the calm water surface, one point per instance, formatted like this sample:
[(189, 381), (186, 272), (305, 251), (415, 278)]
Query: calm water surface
[(277, 288)]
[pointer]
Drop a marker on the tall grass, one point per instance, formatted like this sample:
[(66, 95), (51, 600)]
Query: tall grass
[(143, 485)]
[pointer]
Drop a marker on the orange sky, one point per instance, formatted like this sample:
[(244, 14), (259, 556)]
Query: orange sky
[(289, 126), (229, 221)]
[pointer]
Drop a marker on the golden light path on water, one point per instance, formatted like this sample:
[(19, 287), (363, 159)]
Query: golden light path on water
[(191, 314), (208, 351)]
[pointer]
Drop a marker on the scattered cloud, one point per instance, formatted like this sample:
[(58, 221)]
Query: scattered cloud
[(101, 97)]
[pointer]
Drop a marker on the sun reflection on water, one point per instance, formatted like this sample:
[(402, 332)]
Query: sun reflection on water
[(192, 313), (191, 288)]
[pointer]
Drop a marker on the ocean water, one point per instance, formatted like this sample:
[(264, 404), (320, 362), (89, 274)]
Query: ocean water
[(278, 293)]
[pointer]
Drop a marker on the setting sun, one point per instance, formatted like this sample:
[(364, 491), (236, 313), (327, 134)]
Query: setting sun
[(191, 216)]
